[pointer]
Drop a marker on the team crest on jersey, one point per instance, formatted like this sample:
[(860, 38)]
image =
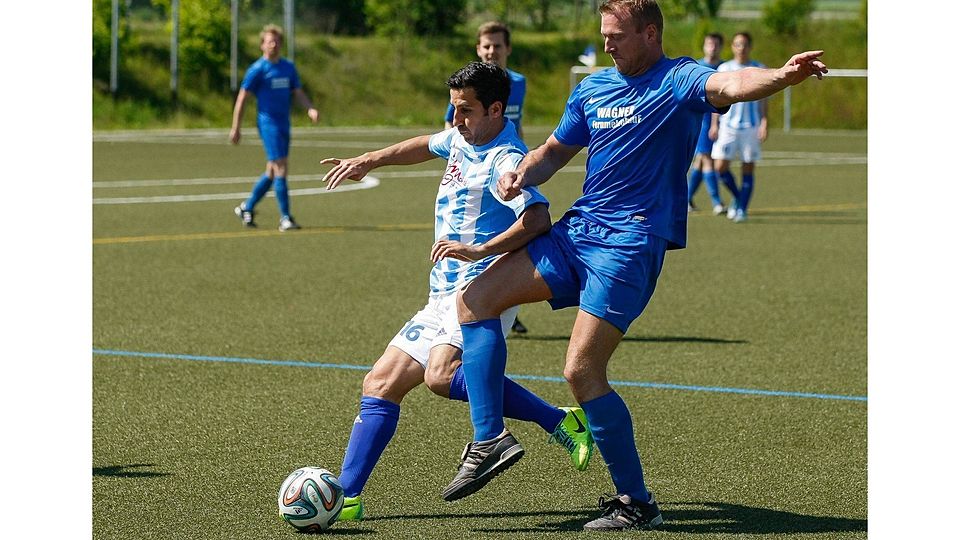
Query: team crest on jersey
[(454, 172)]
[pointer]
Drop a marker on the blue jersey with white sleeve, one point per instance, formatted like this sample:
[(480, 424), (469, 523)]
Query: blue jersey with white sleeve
[(514, 108), (641, 133), (273, 84), (745, 114), (468, 207)]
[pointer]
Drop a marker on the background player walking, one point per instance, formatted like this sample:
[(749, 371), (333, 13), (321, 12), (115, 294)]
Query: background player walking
[(275, 83)]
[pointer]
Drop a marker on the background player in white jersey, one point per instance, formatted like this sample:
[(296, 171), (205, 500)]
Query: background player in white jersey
[(474, 227), (493, 47), (739, 132)]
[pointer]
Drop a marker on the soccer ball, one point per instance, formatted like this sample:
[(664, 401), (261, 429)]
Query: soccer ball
[(310, 499)]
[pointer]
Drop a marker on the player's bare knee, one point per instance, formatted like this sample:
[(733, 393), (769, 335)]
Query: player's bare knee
[(375, 384), (438, 382)]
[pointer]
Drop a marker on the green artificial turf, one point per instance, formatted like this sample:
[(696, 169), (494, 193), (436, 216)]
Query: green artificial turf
[(225, 358)]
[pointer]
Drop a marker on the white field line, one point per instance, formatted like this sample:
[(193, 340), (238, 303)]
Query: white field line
[(367, 183)]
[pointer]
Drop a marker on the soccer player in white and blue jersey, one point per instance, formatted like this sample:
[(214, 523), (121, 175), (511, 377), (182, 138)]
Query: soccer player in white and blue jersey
[(474, 226), (640, 123), (493, 47), (739, 132), (276, 84)]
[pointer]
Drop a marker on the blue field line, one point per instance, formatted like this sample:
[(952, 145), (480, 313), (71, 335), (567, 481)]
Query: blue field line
[(542, 378)]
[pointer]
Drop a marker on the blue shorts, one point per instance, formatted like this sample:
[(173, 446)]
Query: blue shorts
[(704, 144), (276, 141), (608, 273)]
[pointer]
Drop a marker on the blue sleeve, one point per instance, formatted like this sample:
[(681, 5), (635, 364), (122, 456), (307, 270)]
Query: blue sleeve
[(690, 85), (573, 129), (520, 88), (449, 116), (440, 143), (251, 79)]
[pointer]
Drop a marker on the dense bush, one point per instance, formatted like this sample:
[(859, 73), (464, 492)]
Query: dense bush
[(785, 16)]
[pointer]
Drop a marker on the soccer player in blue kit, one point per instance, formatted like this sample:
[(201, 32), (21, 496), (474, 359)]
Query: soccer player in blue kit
[(493, 47), (703, 171), (276, 83), (640, 122), (474, 226)]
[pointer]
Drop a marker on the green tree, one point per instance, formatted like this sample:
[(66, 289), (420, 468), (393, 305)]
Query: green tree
[(786, 16), (419, 17), (204, 39), (697, 8)]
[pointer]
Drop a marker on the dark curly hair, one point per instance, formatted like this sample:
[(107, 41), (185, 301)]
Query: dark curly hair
[(489, 81)]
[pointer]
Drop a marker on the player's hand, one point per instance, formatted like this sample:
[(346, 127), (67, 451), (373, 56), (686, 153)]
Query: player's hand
[(713, 133), (352, 168), (762, 131), (313, 114), (234, 135), (803, 65), (455, 250), (509, 185)]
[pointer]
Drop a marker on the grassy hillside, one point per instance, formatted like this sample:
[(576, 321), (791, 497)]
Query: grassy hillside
[(381, 81)]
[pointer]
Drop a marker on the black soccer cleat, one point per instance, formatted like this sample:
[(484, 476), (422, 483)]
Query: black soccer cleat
[(246, 216), (480, 462), (518, 326), (621, 512)]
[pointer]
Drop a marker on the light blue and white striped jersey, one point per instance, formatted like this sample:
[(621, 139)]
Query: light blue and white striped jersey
[(745, 114), (468, 209)]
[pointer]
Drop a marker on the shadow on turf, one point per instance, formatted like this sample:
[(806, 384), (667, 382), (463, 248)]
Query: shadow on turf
[(640, 339), (716, 517), (123, 472), (681, 517)]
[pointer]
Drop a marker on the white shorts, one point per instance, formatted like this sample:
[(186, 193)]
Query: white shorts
[(732, 143), (436, 324)]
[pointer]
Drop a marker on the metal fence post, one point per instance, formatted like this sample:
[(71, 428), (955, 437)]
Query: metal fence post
[(114, 45), (174, 45), (288, 23)]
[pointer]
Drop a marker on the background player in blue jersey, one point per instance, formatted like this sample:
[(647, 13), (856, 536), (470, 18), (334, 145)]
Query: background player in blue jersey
[(702, 170), (474, 227), (640, 122), (493, 47), (739, 132), (275, 83)]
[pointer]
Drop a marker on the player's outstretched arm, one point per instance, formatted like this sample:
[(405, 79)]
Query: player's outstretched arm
[(750, 84), (537, 167), (533, 222), (408, 152)]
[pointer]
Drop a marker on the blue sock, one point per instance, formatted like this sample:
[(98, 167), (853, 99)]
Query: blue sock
[(696, 176), (746, 190), (372, 430), (484, 362), (259, 190), (727, 179), (710, 179), (518, 403), (283, 196), (612, 431)]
